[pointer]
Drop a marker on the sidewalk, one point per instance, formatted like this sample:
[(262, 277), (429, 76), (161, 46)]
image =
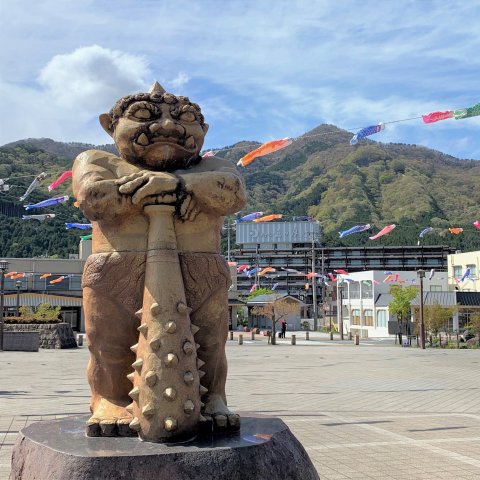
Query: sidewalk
[(373, 411)]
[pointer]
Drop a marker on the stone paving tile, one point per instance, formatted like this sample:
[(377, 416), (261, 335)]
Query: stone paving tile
[(368, 412)]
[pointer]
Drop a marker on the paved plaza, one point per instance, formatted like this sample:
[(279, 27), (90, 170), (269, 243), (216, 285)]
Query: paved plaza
[(373, 411)]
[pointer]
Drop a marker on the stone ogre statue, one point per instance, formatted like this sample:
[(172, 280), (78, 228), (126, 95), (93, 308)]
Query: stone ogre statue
[(155, 287)]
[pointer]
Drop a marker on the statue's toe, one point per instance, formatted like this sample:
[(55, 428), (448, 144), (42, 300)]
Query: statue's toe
[(109, 428), (233, 421), (92, 427)]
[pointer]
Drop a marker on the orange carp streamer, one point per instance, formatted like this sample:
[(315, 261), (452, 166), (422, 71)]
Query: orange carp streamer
[(265, 149)]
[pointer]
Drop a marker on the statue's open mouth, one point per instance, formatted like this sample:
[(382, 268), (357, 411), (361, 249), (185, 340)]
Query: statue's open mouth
[(187, 143)]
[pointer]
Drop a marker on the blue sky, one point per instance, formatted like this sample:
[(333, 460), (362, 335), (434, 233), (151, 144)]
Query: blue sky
[(260, 70)]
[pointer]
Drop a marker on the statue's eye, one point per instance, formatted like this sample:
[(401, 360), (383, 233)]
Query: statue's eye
[(187, 116), (143, 113)]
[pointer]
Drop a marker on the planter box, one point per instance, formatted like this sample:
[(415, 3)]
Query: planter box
[(51, 335), (21, 341)]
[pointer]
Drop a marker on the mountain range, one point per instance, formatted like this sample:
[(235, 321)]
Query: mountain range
[(320, 174)]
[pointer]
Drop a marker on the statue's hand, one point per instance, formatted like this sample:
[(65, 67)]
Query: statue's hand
[(189, 208), (147, 184)]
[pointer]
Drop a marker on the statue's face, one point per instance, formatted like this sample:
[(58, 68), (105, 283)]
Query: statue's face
[(160, 134)]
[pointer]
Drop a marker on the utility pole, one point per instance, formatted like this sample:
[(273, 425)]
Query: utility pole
[(421, 275), (3, 268), (314, 287)]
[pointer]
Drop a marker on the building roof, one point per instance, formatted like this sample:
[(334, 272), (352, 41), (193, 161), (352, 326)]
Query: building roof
[(270, 298), (468, 298), (445, 299), (35, 299)]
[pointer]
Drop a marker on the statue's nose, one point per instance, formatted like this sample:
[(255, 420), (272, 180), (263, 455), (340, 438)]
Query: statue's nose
[(166, 126)]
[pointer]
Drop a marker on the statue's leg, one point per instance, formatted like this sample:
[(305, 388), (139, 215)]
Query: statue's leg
[(111, 328), (207, 278)]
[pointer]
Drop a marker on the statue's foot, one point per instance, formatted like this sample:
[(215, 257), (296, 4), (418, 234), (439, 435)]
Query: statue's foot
[(109, 420), (218, 417)]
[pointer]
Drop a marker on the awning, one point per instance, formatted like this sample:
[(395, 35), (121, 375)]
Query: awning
[(35, 299), (232, 302)]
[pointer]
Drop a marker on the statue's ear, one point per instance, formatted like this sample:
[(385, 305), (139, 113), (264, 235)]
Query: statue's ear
[(106, 123), (205, 127)]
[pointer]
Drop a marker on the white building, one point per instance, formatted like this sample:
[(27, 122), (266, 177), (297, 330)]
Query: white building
[(458, 264), (364, 298)]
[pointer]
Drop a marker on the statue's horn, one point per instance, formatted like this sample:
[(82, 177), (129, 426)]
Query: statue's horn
[(156, 88)]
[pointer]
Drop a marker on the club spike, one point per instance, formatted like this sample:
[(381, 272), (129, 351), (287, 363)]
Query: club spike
[(197, 346), (170, 394), (200, 363), (131, 376), (194, 328), (188, 378), (135, 424), (170, 424), (170, 327), (171, 360), (148, 410), (134, 348), (188, 406), (201, 374), (143, 328), (182, 308), (134, 394), (201, 418), (156, 88), (188, 348), (138, 314), (202, 404), (129, 408), (138, 364), (151, 378), (156, 309), (155, 343), (203, 390)]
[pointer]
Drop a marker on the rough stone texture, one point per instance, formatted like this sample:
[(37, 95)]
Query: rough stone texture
[(52, 335), (263, 449), (21, 341)]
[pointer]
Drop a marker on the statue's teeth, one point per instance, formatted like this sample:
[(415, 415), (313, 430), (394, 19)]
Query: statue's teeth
[(138, 363), (170, 327), (200, 363), (131, 376), (134, 348), (138, 313), (171, 360), (155, 343), (188, 348), (143, 140), (194, 328), (155, 309), (143, 328), (148, 410), (134, 394), (170, 424), (135, 424), (170, 393), (203, 390), (188, 406), (151, 378), (188, 378)]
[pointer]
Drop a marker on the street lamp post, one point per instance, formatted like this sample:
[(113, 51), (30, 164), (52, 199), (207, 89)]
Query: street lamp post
[(18, 285), (421, 275), (3, 269)]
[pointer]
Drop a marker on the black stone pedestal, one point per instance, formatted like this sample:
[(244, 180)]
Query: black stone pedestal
[(264, 449)]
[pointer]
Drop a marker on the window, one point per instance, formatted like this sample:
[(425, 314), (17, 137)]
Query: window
[(355, 316), (457, 271), (382, 319), (354, 290), (435, 288), (367, 289), (473, 269), (368, 316)]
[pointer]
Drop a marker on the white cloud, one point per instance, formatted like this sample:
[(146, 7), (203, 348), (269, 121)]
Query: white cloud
[(180, 80)]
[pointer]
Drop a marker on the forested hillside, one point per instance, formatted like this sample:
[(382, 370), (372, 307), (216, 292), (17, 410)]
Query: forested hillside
[(320, 175)]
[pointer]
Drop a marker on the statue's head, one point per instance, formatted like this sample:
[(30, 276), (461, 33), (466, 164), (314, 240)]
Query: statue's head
[(157, 130)]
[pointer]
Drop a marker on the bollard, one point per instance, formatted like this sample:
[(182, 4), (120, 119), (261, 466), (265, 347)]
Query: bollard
[(231, 335), (307, 335), (240, 339), (80, 340), (294, 339), (357, 339), (349, 335), (252, 333)]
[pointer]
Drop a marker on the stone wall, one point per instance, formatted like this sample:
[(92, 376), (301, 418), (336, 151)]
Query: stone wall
[(52, 335)]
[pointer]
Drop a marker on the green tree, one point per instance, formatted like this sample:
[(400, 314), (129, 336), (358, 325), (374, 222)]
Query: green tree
[(401, 303), (436, 318), (474, 324)]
